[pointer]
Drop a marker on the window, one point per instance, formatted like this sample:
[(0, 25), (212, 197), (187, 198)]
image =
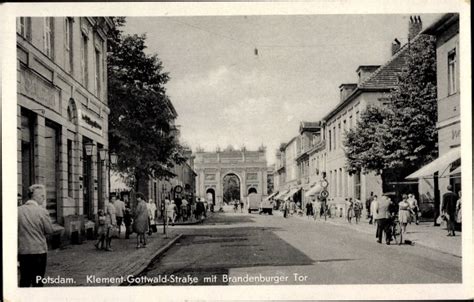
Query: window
[(68, 56), (48, 36), (23, 26), (84, 60), (97, 72), (452, 72), (335, 137), (339, 136), (27, 152), (330, 140), (350, 122), (51, 171)]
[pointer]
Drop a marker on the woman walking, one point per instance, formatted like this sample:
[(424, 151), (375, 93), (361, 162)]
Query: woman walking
[(171, 212), (140, 221), (350, 210), (404, 212), (151, 206)]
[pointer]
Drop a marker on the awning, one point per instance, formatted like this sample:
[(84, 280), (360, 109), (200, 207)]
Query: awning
[(290, 193), (272, 195), (313, 190), (279, 195), (456, 171), (439, 164)]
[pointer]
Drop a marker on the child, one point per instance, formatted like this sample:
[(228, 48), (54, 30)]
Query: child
[(127, 220), (101, 230)]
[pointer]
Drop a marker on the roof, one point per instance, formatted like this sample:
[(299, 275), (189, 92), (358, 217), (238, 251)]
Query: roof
[(382, 79), (441, 23), (309, 126)]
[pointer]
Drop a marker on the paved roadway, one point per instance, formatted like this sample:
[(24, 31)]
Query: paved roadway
[(235, 247)]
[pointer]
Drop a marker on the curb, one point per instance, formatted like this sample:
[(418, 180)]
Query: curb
[(155, 255)]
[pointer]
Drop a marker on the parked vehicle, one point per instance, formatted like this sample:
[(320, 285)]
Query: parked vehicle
[(253, 202), (266, 206)]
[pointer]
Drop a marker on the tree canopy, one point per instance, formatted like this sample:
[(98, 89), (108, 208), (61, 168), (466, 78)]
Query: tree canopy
[(403, 135), (141, 120)]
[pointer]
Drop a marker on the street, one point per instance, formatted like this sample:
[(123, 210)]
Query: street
[(241, 248)]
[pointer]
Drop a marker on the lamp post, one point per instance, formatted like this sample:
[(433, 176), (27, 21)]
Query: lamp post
[(165, 218)]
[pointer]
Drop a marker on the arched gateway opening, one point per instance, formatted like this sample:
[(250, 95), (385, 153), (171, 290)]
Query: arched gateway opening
[(211, 196), (231, 188)]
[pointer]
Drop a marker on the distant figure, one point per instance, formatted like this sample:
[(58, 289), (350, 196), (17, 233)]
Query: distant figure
[(111, 223), (350, 210), (286, 208), (449, 209), (241, 205), (413, 206), (140, 221), (459, 209), (372, 209), (404, 212), (357, 209), (151, 206), (127, 220), (368, 203), (101, 230), (119, 212), (309, 209), (33, 226)]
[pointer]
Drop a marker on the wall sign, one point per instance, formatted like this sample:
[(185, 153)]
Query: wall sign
[(41, 91), (90, 122)]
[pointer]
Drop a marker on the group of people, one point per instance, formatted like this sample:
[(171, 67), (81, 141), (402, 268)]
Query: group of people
[(236, 203), (141, 221), (290, 207)]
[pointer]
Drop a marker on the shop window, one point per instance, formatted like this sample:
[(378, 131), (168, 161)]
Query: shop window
[(27, 152), (330, 140), (51, 168), (70, 175), (100, 178), (87, 188), (452, 72)]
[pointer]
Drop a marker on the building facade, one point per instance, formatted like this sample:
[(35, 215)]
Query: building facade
[(63, 115), (249, 166)]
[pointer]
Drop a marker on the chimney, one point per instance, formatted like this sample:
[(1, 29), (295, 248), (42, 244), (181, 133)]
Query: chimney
[(395, 46), (414, 27), (346, 90), (364, 71)]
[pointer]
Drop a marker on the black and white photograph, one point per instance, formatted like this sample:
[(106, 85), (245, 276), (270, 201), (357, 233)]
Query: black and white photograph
[(224, 150)]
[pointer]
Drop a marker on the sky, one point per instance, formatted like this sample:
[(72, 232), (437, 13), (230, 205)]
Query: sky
[(250, 80)]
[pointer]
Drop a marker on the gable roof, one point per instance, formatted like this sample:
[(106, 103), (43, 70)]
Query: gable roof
[(382, 79)]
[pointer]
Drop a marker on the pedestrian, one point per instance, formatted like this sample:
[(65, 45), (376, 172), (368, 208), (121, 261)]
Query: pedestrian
[(372, 209), (316, 208), (184, 209), (286, 208), (459, 209), (357, 210), (140, 221), (382, 216), (414, 207), (350, 210), (404, 212), (101, 230), (127, 220), (111, 224), (34, 224), (241, 202), (119, 212), (368, 203), (151, 207), (309, 209), (292, 207), (171, 212), (449, 209)]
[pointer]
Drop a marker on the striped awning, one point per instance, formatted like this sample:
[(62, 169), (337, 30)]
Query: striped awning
[(440, 164), (313, 190)]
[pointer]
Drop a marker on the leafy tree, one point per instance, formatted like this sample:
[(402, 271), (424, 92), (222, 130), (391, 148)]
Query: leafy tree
[(402, 137), (141, 120)]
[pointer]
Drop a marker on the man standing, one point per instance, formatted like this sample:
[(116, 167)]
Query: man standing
[(449, 207), (367, 207), (382, 216), (33, 226), (119, 211)]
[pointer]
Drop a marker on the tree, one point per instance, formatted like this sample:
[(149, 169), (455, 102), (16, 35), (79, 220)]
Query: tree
[(403, 136), (141, 118)]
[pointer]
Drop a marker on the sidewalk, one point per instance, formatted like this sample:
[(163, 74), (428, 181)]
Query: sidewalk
[(80, 261), (424, 234)]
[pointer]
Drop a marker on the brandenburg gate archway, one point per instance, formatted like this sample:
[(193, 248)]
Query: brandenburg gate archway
[(249, 166)]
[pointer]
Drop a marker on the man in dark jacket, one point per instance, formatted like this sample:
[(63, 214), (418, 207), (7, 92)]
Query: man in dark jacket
[(449, 208)]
